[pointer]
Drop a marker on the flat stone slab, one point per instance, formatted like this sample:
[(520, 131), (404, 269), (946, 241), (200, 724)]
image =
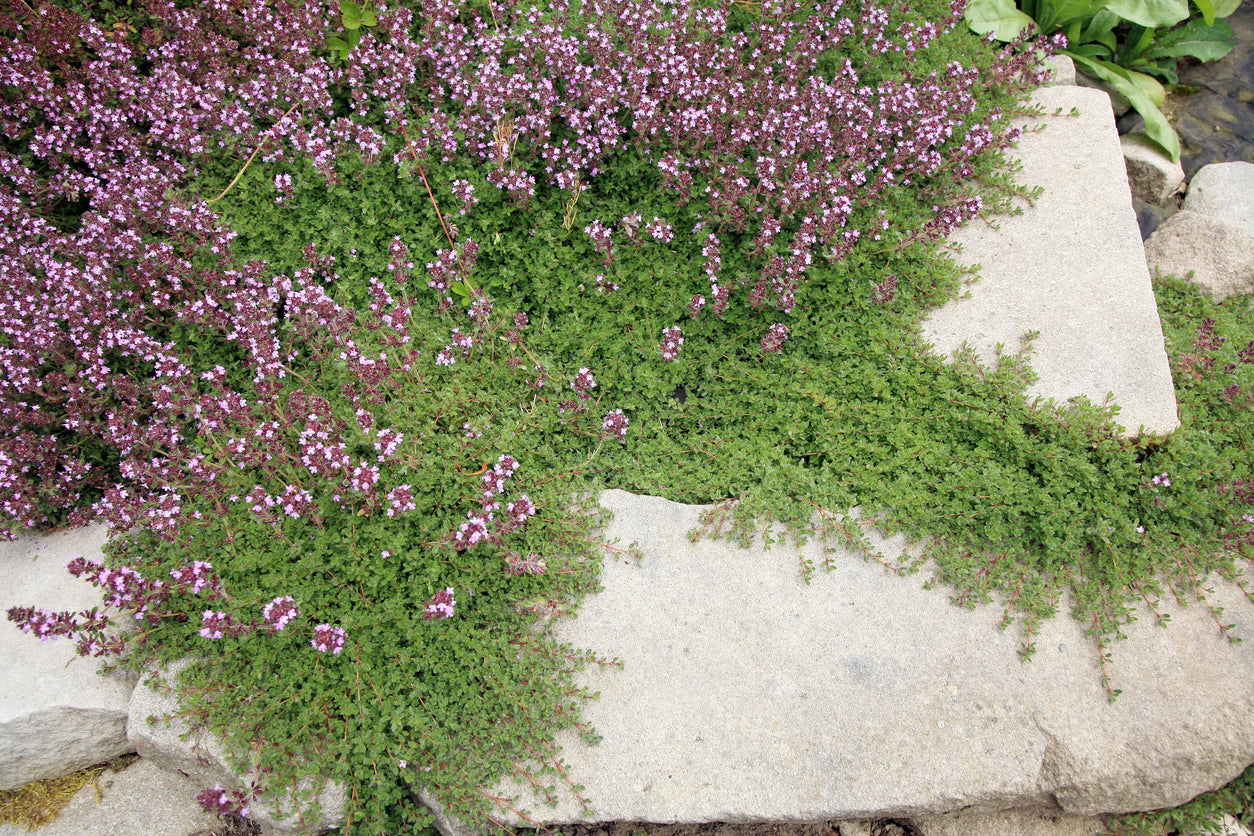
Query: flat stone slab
[(57, 713), (747, 695), (140, 799), (1073, 268)]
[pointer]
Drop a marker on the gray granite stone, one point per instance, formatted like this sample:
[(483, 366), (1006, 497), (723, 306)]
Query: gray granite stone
[(1071, 266), (57, 713)]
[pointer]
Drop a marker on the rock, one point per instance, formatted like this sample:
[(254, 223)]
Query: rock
[(140, 799), (854, 828), (1225, 192), (1071, 266), (173, 744), (747, 695), (57, 713), (1009, 823), (1218, 255), (1119, 103), (1152, 177), (1064, 70), (1229, 826)]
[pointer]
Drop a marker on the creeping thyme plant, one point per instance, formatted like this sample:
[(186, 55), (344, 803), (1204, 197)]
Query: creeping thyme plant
[(340, 335)]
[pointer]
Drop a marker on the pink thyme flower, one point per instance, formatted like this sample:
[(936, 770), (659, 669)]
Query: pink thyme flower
[(672, 339), (218, 800), (440, 606), (280, 612), (615, 425), (660, 230), (216, 624), (583, 384), (774, 338), (327, 637), (195, 575), (532, 564)]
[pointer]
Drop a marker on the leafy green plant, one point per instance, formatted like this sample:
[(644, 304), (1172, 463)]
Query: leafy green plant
[(329, 446), (354, 17), (1127, 44)]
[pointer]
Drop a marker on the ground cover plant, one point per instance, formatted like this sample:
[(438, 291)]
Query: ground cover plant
[(344, 312)]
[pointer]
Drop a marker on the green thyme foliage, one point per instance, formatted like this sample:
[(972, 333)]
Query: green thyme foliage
[(1020, 501), (464, 697)]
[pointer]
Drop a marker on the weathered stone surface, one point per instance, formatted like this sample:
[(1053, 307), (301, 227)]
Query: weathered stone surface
[(140, 800), (1071, 267), (1118, 102), (1008, 823), (1229, 826), (1152, 177), (1224, 191), (205, 760), (1219, 255), (57, 713), (1064, 70), (747, 695)]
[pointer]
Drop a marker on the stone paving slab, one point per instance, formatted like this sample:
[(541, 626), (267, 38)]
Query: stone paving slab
[(140, 800), (57, 715), (747, 695), (1072, 267)]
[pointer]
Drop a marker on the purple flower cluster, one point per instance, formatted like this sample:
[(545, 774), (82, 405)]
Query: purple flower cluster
[(672, 340), (219, 800), (532, 564), (215, 624), (774, 338), (484, 526), (128, 590), (440, 606), (615, 425), (114, 125), (328, 637), (885, 291), (601, 240), (280, 612), (583, 384)]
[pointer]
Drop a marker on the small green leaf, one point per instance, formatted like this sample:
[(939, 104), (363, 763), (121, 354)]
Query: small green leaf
[(1060, 14), (1207, 8), (1150, 87), (368, 18), (350, 14), (1101, 28), (1094, 50), (1000, 17), (338, 48)]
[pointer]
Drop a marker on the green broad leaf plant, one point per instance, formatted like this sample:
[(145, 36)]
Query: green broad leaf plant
[(1131, 46)]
